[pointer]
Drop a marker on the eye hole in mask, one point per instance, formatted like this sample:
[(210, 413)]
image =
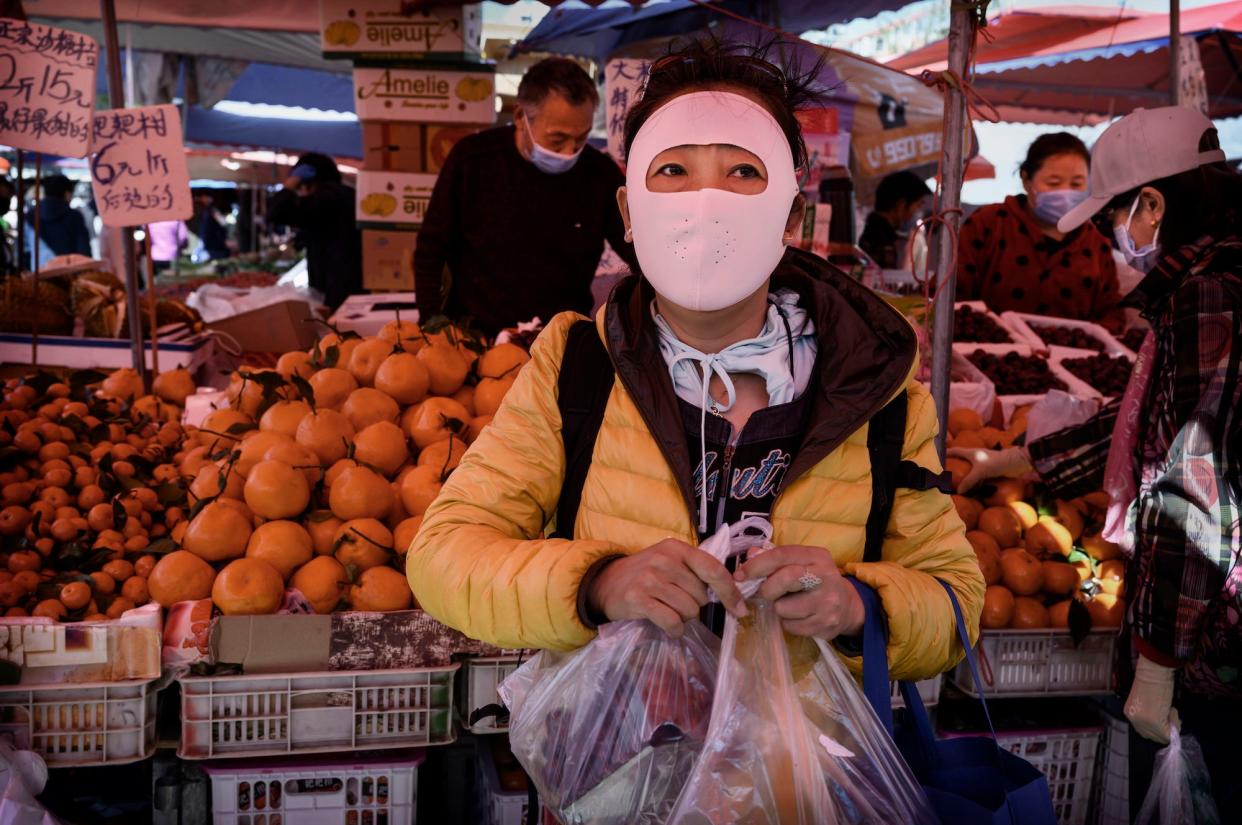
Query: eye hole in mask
[(717, 166)]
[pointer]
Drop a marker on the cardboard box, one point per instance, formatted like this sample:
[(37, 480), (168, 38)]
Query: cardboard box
[(393, 199), (439, 140), (388, 259), (374, 28), (394, 147), (48, 653), (425, 95), (367, 314), (338, 641), (281, 327)]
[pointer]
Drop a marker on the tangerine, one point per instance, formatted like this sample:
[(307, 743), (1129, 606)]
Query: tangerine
[(443, 455), (1028, 614), (332, 386), (465, 397), (363, 543), (1058, 614), (1106, 610), (446, 368), (403, 378), (323, 581), (180, 576), (1100, 549), (419, 489), (381, 589), (1049, 538), (321, 525), (1026, 514), (405, 334), (382, 445), (501, 361), (998, 605), (119, 607), (1060, 578), (490, 393), (50, 609), (1021, 572), (299, 458), (1006, 491), (366, 406), (274, 490), (360, 492), (1001, 524), (366, 358), (285, 545), (1112, 576), (254, 447), (327, 434), (476, 427), (283, 417), (403, 537), (248, 587), (135, 589), (436, 419), (222, 428), (75, 595), (209, 484), (963, 420), (968, 511), (294, 363), (219, 532), (958, 469)]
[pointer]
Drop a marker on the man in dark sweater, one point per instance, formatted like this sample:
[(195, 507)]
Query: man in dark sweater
[(321, 207), (899, 200), (519, 215)]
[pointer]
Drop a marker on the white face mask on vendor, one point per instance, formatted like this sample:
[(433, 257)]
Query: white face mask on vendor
[(1140, 258), (709, 249)]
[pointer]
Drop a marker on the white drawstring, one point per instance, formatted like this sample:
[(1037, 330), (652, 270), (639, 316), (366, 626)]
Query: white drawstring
[(710, 364)]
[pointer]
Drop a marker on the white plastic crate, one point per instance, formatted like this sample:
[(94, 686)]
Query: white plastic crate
[(1067, 759), (482, 677), (1015, 663), (93, 723), (499, 807), (1112, 789), (367, 791), (295, 713), (929, 690)]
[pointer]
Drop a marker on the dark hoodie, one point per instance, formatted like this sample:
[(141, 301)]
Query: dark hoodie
[(61, 227)]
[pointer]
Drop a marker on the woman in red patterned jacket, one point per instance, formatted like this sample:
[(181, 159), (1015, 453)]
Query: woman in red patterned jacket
[(1012, 256), (1170, 453)]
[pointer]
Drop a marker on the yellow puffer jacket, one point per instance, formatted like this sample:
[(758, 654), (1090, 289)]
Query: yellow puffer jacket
[(479, 563)]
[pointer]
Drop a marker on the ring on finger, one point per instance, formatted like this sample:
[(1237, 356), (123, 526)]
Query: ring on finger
[(808, 581)]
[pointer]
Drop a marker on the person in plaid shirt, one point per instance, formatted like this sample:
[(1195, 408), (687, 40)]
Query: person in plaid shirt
[(1170, 451)]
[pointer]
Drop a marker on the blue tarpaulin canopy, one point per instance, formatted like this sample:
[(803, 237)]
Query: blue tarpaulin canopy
[(578, 29)]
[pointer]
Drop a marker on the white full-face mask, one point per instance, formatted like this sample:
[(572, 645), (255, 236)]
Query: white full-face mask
[(710, 249)]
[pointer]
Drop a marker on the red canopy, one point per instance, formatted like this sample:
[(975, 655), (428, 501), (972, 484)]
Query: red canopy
[(1032, 65)]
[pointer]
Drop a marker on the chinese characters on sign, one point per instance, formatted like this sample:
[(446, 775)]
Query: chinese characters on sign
[(47, 88), (623, 81), (138, 168), (1192, 85)]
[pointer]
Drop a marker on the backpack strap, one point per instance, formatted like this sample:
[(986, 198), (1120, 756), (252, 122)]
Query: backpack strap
[(583, 387), (886, 435)]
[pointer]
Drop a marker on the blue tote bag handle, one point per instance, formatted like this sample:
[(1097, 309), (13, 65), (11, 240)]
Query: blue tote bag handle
[(971, 780)]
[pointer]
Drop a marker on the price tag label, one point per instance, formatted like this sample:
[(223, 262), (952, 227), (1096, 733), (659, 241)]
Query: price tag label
[(47, 88), (138, 168)]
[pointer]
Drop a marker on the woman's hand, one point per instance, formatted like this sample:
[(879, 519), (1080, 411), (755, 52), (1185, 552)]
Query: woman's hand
[(1012, 462), (831, 609), (665, 583)]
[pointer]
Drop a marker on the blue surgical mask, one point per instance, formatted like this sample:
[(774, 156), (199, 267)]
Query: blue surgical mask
[(545, 160), (1051, 206), (1144, 258)]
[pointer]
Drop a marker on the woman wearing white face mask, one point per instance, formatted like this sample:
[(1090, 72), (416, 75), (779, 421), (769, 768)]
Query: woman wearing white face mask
[(740, 379)]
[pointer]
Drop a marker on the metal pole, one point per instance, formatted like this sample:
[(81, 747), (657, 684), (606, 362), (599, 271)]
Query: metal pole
[(21, 211), (116, 100), (952, 170), (1175, 52)]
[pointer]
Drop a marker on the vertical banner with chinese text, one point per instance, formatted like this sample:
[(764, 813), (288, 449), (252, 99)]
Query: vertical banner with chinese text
[(623, 82)]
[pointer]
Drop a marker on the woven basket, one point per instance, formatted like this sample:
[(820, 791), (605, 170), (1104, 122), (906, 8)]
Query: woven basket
[(25, 310)]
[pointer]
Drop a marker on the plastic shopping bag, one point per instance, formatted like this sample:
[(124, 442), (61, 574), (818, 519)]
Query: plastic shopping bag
[(22, 775), (793, 741), (608, 733), (1181, 790)]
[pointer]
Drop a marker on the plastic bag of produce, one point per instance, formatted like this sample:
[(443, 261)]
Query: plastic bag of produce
[(609, 732), (792, 740), (1181, 790)]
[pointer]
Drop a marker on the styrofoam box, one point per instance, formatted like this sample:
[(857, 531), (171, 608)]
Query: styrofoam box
[(1028, 663), (367, 314), (1009, 403), (189, 352), (93, 723), (364, 791), (231, 715), (1058, 355), (479, 688), (1027, 324)]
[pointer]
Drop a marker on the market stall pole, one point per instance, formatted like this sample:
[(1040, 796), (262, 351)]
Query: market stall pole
[(961, 34), (116, 100), (1175, 52)]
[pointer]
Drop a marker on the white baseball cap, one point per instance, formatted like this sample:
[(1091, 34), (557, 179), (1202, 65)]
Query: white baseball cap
[(1145, 145)]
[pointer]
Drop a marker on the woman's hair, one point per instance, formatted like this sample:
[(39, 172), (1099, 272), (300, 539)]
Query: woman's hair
[(1198, 202), (709, 63), (1051, 145)]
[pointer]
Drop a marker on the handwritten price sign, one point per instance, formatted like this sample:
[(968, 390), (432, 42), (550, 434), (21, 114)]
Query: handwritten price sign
[(47, 88), (138, 168)]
